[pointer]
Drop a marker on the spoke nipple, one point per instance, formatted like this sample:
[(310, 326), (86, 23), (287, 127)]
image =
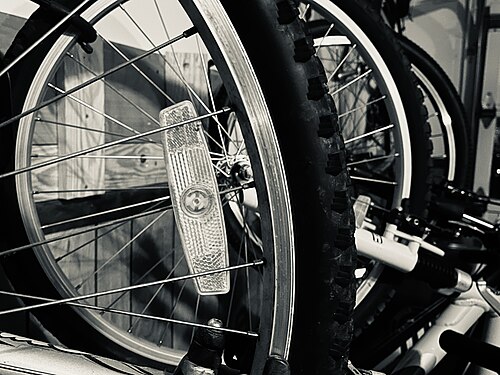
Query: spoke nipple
[(260, 262), (189, 32), (214, 322)]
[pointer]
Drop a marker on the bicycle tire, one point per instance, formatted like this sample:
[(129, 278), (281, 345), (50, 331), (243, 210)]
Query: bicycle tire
[(374, 44), (313, 157), (377, 47), (445, 98), (375, 299)]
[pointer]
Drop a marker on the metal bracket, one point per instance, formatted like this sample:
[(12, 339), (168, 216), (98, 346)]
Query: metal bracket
[(491, 296)]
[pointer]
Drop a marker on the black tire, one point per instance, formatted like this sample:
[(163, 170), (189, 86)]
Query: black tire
[(293, 83), (391, 71), (369, 26), (448, 95), (326, 295)]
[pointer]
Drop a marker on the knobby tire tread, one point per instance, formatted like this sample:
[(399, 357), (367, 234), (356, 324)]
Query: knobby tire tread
[(325, 285)]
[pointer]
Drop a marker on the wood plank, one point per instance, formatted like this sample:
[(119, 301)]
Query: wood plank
[(78, 262), (138, 102), (132, 165), (184, 74), (113, 266), (152, 248), (44, 179), (82, 173)]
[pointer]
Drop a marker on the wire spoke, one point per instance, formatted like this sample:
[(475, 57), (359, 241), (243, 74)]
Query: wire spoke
[(342, 62), (110, 144), (164, 333), (119, 251), (138, 70), (364, 106), (116, 91), (379, 130), (66, 125), (361, 76), (255, 263), (158, 290), (45, 36), (87, 230), (103, 213), (54, 99), (122, 312), (101, 113), (378, 181), (364, 161), (320, 45)]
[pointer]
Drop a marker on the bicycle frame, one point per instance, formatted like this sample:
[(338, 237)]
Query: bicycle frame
[(459, 316), (474, 300)]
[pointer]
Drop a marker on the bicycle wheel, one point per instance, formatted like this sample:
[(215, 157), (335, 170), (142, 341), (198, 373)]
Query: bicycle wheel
[(378, 91), (449, 131), (381, 115), (97, 198)]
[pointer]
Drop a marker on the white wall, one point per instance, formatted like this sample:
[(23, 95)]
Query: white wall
[(438, 27), (121, 29), (20, 8)]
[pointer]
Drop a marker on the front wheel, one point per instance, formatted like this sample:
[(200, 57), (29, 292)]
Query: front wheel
[(95, 205)]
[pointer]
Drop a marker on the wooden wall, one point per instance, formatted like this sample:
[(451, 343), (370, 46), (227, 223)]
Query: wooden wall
[(108, 178)]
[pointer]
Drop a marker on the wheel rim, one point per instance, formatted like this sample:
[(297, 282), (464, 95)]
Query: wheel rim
[(275, 229), (351, 50), (443, 138), (352, 64)]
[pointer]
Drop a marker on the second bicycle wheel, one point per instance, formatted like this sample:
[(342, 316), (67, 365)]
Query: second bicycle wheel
[(381, 116), (452, 149), (114, 195)]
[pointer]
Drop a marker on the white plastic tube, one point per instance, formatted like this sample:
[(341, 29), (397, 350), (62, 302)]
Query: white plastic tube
[(385, 250)]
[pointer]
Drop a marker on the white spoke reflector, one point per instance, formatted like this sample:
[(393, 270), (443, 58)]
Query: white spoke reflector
[(195, 198)]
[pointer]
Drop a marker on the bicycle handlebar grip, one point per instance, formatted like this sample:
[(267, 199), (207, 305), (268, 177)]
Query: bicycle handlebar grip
[(439, 274)]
